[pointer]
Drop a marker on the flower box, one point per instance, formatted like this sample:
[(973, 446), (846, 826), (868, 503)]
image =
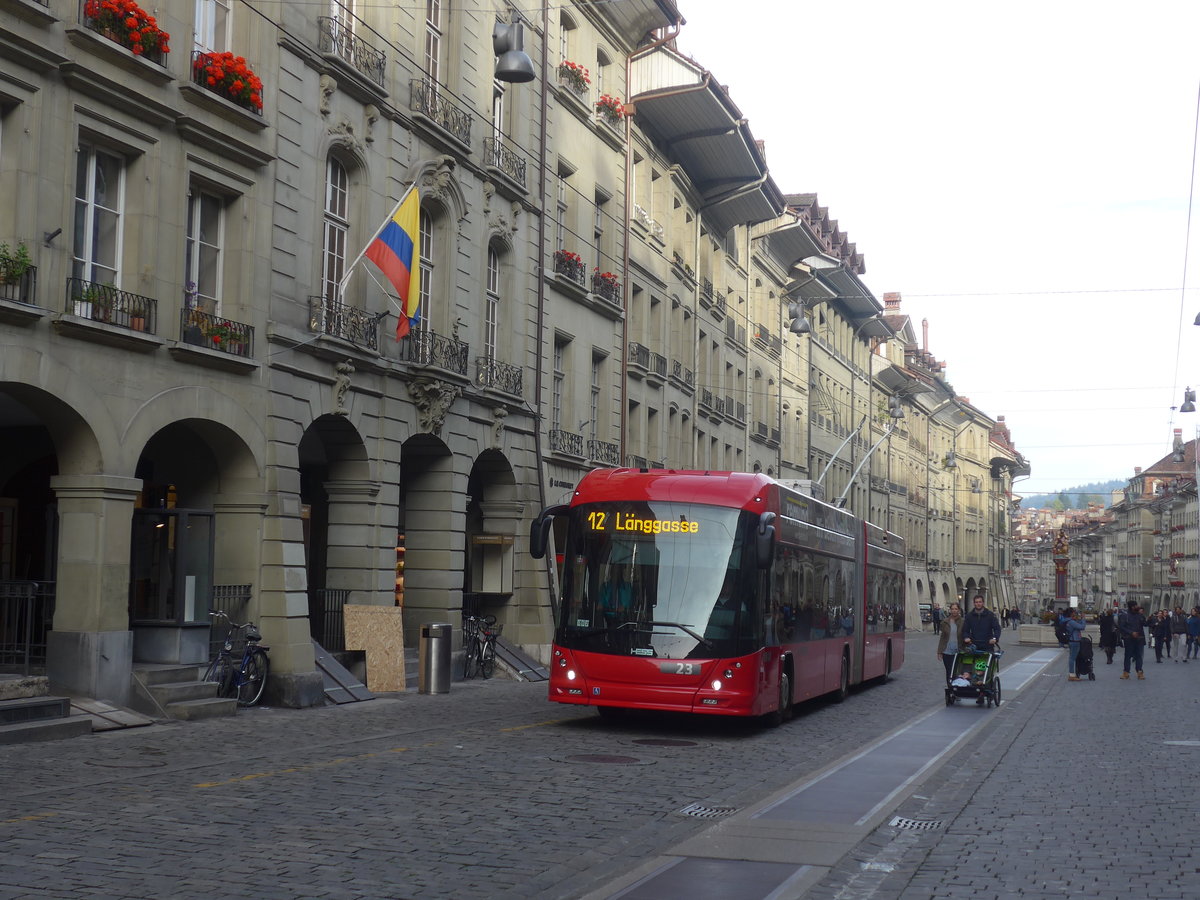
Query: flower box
[(610, 109), (574, 76), (569, 264), (230, 77), (124, 22)]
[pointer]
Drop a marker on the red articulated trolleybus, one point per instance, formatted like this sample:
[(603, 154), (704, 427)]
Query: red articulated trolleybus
[(721, 593)]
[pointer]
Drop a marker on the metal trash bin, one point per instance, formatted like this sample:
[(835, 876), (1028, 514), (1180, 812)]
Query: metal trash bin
[(434, 658)]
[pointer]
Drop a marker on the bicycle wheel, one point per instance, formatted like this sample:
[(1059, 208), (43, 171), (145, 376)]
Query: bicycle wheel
[(252, 680), (470, 656), (220, 672), (487, 658)]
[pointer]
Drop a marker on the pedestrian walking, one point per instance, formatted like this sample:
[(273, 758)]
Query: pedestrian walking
[(1109, 636), (1132, 626), (1015, 615), (1075, 628), (936, 615), (1160, 630), (1193, 635), (981, 628), (951, 639), (1178, 633)]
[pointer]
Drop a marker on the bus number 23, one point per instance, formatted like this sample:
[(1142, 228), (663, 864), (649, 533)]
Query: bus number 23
[(680, 668)]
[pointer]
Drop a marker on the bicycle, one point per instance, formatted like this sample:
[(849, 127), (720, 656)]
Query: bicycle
[(479, 643), (246, 679)]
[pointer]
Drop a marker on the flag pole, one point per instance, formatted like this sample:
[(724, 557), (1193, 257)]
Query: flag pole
[(367, 246)]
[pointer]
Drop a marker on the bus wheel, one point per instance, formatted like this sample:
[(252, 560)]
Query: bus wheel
[(887, 667), (843, 690), (784, 712)]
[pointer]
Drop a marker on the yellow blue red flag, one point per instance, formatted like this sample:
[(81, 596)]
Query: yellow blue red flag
[(396, 250)]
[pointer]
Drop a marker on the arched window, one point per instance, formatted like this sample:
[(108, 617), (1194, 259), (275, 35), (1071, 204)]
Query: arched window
[(336, 229)]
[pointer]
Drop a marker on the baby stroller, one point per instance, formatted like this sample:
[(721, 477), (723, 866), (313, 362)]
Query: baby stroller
[(1083, 659), (976, 674)]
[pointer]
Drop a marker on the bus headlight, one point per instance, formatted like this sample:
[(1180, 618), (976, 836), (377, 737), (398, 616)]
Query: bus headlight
[(729, 673), (570, 674), (716, 685)]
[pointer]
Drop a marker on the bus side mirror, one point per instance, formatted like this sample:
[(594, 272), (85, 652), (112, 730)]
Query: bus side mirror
[(764, 540), (539, 530)]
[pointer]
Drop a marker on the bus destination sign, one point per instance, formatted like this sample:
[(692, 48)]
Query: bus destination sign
[(623, 521)]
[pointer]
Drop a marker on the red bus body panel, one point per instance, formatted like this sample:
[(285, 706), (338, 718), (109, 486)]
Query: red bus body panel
[(638, 682)]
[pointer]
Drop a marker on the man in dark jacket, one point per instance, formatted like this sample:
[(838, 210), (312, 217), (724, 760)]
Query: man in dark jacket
[(981, 628), (1132, 626)]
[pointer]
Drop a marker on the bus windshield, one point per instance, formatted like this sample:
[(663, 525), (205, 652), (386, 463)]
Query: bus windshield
[(662, 579)]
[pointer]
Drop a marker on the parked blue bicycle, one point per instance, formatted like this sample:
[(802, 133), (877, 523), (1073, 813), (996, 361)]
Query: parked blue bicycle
[(243, 679)]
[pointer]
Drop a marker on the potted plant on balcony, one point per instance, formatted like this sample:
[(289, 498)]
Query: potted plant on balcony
[(610, 109), (569, 264), (230, 77), (574, 76), (127, 24), (100, 299), (14, 263), (606, 284)]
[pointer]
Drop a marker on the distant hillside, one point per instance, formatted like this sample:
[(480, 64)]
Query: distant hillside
[(1076, 497)]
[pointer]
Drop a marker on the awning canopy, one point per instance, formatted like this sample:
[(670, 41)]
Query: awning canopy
[(697, 125)]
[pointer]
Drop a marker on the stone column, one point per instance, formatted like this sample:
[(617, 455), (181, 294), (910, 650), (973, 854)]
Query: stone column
[(90, 649)]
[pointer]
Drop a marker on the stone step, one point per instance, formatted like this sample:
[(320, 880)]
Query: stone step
[(34, 709), (211, 708), (14, 687), (169, 674), (168, 693), (45, 730)]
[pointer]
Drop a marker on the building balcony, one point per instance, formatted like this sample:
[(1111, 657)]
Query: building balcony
[(707, 293), (200, 329), (142, 39), (491, 373), (608, 286), (19, 290), (604, 452), (112, 306), (432, 350), (569, 265), (501, 158), (566, 442), (228, 77), (336, 38), (349, 323), (636, 462), (433, 101)]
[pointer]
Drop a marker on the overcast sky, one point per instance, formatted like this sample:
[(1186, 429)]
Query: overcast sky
[(1020, 173)]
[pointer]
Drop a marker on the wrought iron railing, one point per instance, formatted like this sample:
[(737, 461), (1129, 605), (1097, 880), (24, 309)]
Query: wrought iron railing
[(343, 321), (642, 216), (432, 100), (201, 329), (123, 36), (428, 348), (707, 399), (499, 156), (337, 38), (636, 462), (566, 442), (639, 354), (604, 452), (22, 289), (26, 616), (490, 372), (658, 364), (707, 292), (607, 286), (326, 616), (569, 264), (234, 601), (240, 91), (105, 303)]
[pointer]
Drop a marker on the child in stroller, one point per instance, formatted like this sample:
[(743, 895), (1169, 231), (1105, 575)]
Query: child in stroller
[(976, 673)]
